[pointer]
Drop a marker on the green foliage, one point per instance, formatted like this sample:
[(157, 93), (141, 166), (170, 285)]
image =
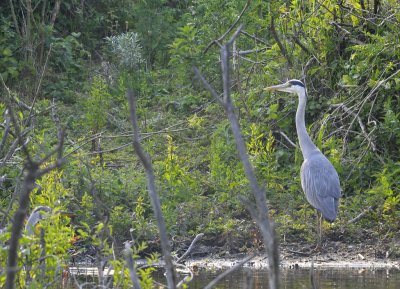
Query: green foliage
[(67, 58), (178, 180), (68, 54), (156, 21), (347, 54), (87, 209), (51, 239), (226, 172), (10, 66), (185, 50), (386, 194), (97, 104)]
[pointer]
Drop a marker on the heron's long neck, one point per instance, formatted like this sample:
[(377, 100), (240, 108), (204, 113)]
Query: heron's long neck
[(306, 144)]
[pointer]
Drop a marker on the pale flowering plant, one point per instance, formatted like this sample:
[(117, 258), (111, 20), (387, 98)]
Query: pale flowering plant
[(126, 47)]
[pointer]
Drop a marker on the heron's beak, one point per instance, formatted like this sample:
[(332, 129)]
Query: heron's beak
[(280, 87)]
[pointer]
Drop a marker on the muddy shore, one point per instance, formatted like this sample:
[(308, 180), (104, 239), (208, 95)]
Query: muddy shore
[(303, 255), (261, 262)]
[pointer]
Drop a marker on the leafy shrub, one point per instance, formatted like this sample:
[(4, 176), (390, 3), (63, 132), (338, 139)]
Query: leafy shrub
[(127, 49)]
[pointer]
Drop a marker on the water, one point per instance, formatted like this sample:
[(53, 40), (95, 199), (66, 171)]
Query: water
[(325, 278), (300, 278)]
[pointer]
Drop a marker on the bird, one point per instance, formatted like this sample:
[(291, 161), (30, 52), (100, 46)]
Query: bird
[(34, 218), (319, 179)]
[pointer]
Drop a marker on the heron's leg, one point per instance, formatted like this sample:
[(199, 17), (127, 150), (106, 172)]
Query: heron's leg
[(319, 230)]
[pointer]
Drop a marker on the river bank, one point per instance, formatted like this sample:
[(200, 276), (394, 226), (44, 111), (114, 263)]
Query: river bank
[(304, 255)]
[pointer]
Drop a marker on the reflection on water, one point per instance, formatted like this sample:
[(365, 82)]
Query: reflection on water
[(290, 279), (300, 278)]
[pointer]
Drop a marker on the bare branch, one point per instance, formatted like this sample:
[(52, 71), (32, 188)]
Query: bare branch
[(151, 186), (18, 222), (362, 126), (208, 86), (12, 96), (188, 278), (261, 216), (257, 50), (229, 29), (6, 131), (14, 17), (54, 12), (253, 37), (33, 172), (198, 237), (28, 185), (287, 138), (235, 35), (369, 95), (361, 215), (278, 41), (58, 163), (301, 45), (38, 86), (19, 135), (100, 134), (229, 271)]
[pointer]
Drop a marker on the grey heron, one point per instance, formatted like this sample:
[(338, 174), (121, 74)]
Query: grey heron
[(34, 218), (319, 179)]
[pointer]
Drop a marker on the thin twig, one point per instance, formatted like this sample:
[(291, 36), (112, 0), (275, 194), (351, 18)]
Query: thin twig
[(287, 138), (207, 85), (253, 37), (198, 237), (364, 131), (257, 50), (19, 135), (369, 95), (14, 17), (229, 271), (151, 186), (261, 214), (13, 97), (187, 279), (6, 131), (362, 214), (229, 29), (33, 172), (38, 86), (278, 41), (301, 45)]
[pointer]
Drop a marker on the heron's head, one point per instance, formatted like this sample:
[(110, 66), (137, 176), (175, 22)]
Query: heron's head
[(291, 86)]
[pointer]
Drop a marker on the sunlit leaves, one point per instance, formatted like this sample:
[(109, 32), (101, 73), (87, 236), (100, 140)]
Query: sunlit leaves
[(195, 121), (97, 104), (185, 45), (386, 194)]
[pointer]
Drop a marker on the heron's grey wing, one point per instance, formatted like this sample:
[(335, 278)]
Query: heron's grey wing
[(321, 185)]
